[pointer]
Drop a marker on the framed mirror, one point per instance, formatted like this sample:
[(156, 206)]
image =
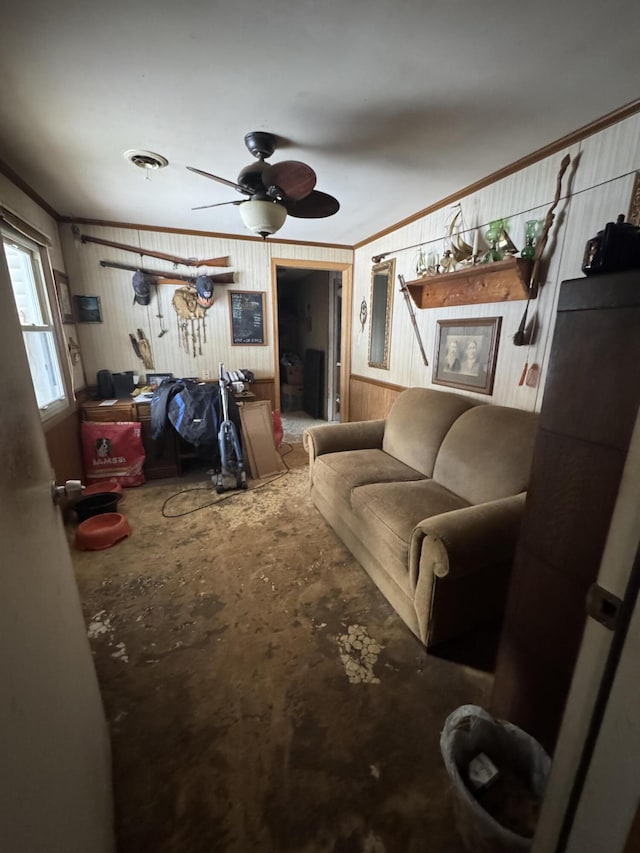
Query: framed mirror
[(380, 308)]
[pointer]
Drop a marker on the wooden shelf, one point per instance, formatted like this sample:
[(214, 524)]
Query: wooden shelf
[(503, 281)]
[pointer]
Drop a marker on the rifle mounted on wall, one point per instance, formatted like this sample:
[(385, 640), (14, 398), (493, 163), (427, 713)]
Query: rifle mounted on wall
[(168, 277), (163, 256)]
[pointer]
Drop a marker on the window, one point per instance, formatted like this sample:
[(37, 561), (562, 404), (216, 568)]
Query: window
[(34, 311)]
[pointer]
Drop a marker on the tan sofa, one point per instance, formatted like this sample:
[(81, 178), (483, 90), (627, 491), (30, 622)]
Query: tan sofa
[(429, 501)]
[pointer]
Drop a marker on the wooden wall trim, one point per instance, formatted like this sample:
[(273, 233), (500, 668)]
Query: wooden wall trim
[(162, 229), (389, 385), (540, 154), (15, 178)]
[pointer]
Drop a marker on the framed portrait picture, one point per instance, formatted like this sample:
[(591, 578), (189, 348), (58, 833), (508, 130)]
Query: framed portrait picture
[(466, 353), (88, 309), (63, 293), (247, 317)]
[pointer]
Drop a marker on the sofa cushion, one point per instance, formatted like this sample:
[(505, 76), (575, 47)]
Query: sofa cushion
[(336, 474), (390, 511), (418, 422), (486, 455)]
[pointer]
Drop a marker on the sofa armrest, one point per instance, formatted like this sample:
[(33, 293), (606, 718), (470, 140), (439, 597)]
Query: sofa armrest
[(332, 438), (462, 541)]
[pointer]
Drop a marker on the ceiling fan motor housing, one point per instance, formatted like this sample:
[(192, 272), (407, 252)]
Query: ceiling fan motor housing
[(260, 143)]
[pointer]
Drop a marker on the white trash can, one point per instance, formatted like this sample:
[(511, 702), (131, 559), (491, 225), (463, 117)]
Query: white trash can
[(469, 731)]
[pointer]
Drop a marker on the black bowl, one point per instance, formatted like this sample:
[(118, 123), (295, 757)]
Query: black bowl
[(97, 504)]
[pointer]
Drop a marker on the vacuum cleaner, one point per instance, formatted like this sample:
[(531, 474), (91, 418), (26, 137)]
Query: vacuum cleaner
[(232, 474)]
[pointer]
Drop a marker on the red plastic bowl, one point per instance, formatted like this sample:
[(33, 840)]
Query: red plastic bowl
[(101, 531)]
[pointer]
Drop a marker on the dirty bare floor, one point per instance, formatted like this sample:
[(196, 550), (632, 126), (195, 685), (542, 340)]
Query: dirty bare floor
[(262, 695)]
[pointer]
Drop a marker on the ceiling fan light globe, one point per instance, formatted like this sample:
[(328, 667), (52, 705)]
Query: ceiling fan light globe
[(263, 217)]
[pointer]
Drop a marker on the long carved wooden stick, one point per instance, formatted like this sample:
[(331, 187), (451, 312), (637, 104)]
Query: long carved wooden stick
[(412, 315), (548, 220), (521, 338)]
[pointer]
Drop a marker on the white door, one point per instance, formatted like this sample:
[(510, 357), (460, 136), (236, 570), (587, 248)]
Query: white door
[(55, 791)]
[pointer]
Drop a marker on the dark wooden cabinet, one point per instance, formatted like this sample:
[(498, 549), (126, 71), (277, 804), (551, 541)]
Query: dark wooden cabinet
[(123, 410), (162, 457), (588, 414)]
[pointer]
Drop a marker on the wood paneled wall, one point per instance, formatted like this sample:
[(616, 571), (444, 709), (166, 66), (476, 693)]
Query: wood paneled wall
[(599, 186), (370, 399), (63, 446), (265, 389)]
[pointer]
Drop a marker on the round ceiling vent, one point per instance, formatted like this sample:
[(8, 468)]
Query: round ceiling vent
[(146, 159)]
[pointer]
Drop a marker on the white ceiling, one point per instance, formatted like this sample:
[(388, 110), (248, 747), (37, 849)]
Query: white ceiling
[(394, 103)]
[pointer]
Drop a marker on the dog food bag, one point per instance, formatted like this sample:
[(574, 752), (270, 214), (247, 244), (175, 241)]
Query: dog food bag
[(113, 452)]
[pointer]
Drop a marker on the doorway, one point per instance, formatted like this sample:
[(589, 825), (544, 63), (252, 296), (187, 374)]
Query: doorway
[(310, 312)]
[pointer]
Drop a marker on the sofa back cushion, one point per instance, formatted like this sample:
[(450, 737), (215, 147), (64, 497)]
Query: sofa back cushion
[(487, 453), (417, 423)]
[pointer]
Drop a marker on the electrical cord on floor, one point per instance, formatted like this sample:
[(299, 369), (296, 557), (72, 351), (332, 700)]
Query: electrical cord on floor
[(234, 494)]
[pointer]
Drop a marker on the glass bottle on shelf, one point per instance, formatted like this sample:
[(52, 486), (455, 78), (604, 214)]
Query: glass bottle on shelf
[(493, 235), (433, 262), (421, 264), (531, 235)]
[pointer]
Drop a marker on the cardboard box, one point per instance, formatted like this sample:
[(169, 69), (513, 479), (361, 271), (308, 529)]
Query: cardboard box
[(294, 374), (291, 398)]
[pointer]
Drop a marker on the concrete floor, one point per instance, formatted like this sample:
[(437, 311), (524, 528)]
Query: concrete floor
[(261, 693), (295, 423)]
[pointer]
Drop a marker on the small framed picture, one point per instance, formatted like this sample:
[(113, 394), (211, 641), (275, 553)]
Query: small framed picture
[(88, 309), (466, 353), (247, 318), (63, 293)]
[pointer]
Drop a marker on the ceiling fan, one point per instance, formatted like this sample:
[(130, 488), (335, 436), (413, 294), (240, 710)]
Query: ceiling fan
[(273, 190)]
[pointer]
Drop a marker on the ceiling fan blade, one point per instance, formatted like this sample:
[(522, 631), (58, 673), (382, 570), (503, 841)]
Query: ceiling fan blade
[(314, 206), (293, 180), (220, 204), (227, 183)]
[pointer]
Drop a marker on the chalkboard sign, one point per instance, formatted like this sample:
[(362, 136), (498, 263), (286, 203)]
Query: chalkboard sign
[(246, 309)]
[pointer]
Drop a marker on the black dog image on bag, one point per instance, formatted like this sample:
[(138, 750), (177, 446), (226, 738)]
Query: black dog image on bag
[(103, 448)]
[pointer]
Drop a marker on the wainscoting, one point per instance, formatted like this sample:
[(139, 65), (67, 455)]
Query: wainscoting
[(63, 446), (370, 399), (265, 389)]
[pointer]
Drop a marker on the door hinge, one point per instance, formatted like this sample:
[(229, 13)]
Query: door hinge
[(603, 606)]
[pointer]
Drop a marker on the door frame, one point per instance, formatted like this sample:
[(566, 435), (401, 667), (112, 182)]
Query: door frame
[(335, 355), (346, 268)]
